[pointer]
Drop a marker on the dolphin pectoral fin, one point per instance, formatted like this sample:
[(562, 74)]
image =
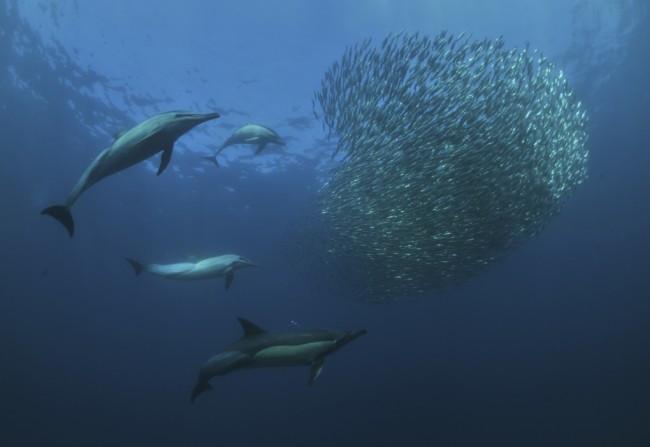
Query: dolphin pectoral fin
[(315, 370), (63, 215), (260, 148), (165, 158), (230, 275)]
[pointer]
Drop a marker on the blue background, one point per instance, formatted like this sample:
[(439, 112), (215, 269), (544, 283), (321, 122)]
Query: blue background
[(547, 347)]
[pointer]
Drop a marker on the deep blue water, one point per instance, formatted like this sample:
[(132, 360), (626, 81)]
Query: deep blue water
[(546, 347)]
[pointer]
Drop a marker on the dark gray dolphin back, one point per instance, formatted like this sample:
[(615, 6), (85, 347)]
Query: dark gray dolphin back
[(155, 134), (242, 353)]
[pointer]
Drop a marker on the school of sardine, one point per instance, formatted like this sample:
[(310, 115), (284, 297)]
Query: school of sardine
[(454, 151)]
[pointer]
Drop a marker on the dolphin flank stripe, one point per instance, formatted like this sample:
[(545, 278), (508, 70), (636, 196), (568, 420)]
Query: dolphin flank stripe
[(154, 135), (252, 134), (261, 349), (210, 268), (299, 351)]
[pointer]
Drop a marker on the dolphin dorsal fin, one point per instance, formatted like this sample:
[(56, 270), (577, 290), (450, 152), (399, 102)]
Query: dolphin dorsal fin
[(249, 328)]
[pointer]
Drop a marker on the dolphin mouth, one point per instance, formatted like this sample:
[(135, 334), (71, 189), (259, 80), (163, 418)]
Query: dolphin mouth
[(350, 336), (198, 118), (247, 263), (202, 118), (358, 334), (211, 116)]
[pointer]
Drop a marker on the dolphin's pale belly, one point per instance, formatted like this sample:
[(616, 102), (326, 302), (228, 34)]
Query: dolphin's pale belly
[(189, 270), (291, 355), (252, 133), (184, 270), (125, 155)]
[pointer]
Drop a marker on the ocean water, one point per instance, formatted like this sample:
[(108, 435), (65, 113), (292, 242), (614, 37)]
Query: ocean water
[(547, 346)]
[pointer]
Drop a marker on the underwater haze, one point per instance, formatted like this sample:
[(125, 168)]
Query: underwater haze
[(545, 344)]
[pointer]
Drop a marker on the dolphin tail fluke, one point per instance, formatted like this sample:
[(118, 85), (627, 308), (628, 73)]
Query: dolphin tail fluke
[(211, 159), (224, 145), (137, 266), (63, 215), (199, 388)]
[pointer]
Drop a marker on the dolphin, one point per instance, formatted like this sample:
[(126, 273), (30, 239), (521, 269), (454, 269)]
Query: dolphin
[(215, 267), (249, 134), (259, 349), (156, 134)]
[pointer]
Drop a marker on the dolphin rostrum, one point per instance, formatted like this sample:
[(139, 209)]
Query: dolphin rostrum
[(156, 134), (249, 134), (215, 267), (259, 349)]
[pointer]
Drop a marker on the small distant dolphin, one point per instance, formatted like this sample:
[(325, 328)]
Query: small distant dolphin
[(249, 134), (156, 134), (260, 349), (218, 266)]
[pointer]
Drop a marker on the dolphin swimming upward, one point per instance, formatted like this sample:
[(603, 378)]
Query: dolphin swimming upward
[(249, 134), (218, 266), (156, 134), (259, 349)]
